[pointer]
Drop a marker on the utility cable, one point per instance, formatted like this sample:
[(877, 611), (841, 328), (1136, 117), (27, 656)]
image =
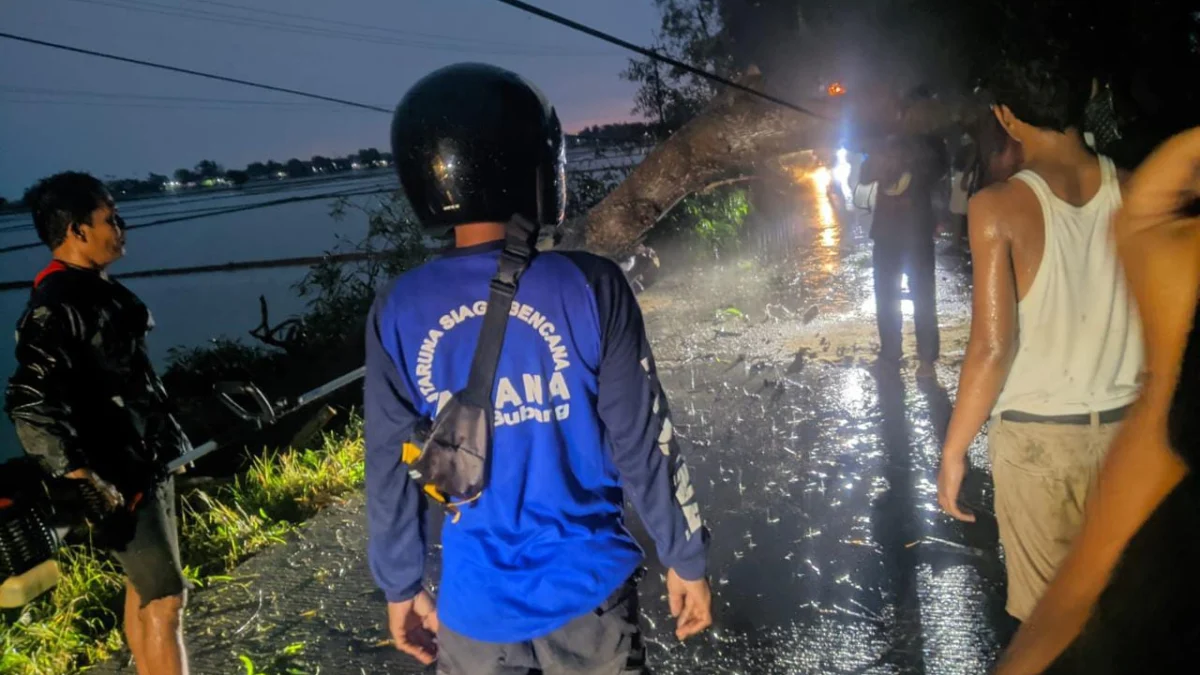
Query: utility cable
[(226, 211), (165, 106), (179, 216), (317, 31), (123, 96), (363, 26), (575, 25), (221, 211), (197, 73), (223, 267)]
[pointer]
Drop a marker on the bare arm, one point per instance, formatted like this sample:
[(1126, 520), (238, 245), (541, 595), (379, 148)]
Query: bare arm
[(1160, 252), (991, 346)]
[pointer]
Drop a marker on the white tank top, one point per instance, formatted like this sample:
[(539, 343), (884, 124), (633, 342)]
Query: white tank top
[(1079, 337)]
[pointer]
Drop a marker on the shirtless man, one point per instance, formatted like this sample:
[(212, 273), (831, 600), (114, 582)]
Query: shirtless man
[(1055, 347)]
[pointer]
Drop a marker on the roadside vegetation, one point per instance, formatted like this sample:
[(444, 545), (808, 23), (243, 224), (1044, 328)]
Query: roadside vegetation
[(78, 623)]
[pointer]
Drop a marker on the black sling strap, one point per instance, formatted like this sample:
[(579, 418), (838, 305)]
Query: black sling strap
[(518, 250), (453, 458)]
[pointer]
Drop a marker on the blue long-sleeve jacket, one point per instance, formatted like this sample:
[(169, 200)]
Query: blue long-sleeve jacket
[(581, 422)]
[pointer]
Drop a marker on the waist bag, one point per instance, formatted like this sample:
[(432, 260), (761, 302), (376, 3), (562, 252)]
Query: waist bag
[(450, 456)]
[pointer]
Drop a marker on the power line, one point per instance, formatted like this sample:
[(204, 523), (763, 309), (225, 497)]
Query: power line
[(363, 26), (574, 25), (221, 211), (224, 267), (160, 106), (179, 216), (197, 73), (299, 29), (122, 96), (229, 210)]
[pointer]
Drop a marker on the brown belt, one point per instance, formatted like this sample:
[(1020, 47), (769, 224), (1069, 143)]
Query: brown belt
[(1105, 417)]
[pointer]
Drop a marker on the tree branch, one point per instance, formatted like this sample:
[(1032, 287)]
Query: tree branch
[(741, 134)]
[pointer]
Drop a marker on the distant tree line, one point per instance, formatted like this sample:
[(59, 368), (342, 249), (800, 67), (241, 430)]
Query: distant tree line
[(620, 133), (208, 173)]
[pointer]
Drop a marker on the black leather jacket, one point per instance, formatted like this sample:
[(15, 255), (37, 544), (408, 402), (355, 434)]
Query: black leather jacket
[(85, 394)]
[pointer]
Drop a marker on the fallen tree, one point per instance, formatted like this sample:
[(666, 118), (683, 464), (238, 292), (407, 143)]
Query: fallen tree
[(738, 136)]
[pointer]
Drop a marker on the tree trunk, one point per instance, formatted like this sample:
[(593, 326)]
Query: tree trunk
[(739, 135)]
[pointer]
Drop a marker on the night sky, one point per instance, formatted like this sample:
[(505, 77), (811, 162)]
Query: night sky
[(63, 111)]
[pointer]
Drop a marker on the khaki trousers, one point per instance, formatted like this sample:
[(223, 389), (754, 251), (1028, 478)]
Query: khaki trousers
[(1043, 475)]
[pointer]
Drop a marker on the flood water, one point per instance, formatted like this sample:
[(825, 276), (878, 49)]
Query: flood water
[(192, 310)]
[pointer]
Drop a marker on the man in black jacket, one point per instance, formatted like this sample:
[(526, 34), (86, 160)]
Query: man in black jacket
[(87, 404)]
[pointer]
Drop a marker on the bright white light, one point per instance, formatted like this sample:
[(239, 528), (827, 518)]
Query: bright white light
[(841, 173), (868, 306), (906, 305)]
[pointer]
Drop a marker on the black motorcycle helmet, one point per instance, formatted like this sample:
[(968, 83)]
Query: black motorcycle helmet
[(476, 143)]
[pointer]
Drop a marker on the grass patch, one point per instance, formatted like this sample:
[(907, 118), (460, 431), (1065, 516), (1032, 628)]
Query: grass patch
[(78, 623)]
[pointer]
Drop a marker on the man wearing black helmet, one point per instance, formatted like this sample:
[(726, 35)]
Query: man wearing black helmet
[(539, 572)]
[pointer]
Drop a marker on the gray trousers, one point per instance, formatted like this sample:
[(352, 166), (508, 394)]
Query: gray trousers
[(605, 641)]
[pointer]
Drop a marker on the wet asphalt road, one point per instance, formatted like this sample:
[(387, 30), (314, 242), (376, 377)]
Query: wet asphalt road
[(816, 473)]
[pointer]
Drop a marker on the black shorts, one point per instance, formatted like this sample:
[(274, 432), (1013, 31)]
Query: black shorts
[(150, 560)]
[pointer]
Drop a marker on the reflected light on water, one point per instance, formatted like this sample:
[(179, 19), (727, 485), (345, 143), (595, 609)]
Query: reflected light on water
[(821, 178), (828, 237), (854, 390)]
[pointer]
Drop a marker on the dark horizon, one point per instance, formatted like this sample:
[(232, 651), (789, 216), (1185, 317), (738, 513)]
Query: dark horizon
[(69, 111)]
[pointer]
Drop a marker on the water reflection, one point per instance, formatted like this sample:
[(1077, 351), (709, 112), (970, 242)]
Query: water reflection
[(821, 178)]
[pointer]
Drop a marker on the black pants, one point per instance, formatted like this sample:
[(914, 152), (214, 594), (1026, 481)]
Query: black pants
[(892, 260), (605, 641)]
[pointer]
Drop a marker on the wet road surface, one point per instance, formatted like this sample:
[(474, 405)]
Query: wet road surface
[(816, 473)]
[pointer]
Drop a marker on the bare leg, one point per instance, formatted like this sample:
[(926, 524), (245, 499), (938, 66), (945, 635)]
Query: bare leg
[(162, 636), (133, 628)]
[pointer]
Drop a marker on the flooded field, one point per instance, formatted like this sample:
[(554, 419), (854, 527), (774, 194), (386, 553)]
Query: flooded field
[(191, 310)]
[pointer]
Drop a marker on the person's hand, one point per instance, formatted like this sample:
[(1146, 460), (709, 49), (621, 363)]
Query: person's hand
[(414, 626), (950, 479), (691, 604), (107, 491)]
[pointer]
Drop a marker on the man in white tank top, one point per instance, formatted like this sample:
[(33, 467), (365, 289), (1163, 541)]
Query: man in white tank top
[(1055, 348)]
